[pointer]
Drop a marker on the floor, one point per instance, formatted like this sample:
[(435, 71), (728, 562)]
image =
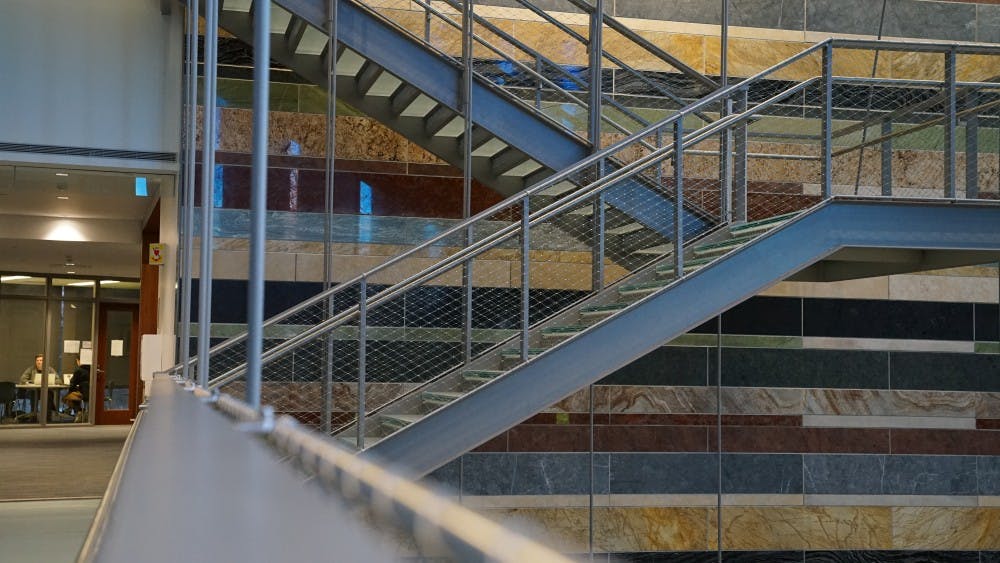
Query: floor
[(51, 481)]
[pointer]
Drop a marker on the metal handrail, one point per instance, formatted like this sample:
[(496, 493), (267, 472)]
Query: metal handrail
[(490, 241), (543, 185)]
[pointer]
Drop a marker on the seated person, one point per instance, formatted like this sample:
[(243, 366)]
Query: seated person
[(29, 374), (79, 387)]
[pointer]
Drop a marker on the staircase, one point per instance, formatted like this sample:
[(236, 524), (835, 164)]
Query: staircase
[(525, 125), (544, 346)]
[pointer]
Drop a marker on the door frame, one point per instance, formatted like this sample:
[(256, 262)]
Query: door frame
[(124, 416)]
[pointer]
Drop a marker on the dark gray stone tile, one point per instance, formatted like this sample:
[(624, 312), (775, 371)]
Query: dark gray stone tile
[(953, 21), (667, 365), (842, 16), (890, 475), (532, 474), (988, 471), (945, 371), (691, 11), (872, 318), (988, 23), (770, 14), (762, 473), (987, 317), (930, 475), (771, 316), (989, 557), (843, 474), (843, 369), (663, 473), (448, 476)]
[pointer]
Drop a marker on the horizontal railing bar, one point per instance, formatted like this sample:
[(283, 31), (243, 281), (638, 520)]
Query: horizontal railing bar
[(916, 46)]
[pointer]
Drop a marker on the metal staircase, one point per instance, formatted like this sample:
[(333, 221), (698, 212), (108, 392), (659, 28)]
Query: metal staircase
[(434, 352), (527, 112)]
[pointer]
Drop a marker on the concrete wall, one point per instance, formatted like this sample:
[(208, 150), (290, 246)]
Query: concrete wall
[(99, 74)]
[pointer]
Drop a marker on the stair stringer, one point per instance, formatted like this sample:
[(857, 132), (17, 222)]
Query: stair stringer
[(586, 358)]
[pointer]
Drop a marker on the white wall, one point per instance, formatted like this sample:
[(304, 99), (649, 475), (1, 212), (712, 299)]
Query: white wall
[(94, 73), (168, 272)]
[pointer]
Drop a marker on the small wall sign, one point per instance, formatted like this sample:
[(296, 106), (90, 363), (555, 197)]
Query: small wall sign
[(156, 254)]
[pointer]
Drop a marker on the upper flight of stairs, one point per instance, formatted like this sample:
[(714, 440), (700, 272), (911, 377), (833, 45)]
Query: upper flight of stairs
[(415, 91)]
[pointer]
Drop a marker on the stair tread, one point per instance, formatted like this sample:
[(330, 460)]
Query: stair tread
[(407, 418), (625, 229), (762, 222), (517, 351), (645, 285), (725, 243), (603, 308), (695, 263), (448, 394), (565, 329), (655, 250)]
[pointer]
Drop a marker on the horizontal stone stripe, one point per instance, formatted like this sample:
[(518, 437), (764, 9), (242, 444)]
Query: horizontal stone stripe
[(891, 500), (887, 344), (853, 421)]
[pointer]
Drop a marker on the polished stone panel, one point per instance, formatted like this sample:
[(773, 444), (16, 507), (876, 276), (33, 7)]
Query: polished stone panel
[(806, 528), (762, 473), (890, 475), (892, 557), (842, 16), (945, 528), (803, 440), (663, 473), (945, 371), (532, 474), (887, 319), (747, 367), (664, 366)]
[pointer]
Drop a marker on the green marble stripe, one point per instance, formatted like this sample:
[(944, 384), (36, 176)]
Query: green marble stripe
[(987, 347), (737, 341)]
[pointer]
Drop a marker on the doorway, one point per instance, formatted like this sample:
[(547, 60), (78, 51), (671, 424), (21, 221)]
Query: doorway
[(117, 363)]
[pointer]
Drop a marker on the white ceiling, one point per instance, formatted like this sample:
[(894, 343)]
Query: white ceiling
[(36, 196)]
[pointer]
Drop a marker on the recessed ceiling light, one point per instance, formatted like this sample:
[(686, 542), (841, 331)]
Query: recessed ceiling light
[(70, 271), (62, 197), (63, 174), (109, 282), (82, 284), (13, 278)]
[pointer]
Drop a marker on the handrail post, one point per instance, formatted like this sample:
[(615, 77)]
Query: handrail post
[(190, 151), (467, 74), (596, 50), (258, 203), (826, 181), (362, 351), (538, 83), (972, 148), (207, 189), (950, 123), (525, 276), (326, 417), (886, 157), (597, 283), (726, 166), (739, 202), (679, 203)]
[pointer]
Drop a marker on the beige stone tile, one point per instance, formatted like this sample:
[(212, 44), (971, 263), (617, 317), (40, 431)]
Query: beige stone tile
[(879, 402), (805, 528), (651, 529), (552, 43), (917, 66), (945, 528), (230, 265), (750, 56), (918, 287), (761, 400), (868, 288), (363, 138), (650, 399), (556, 275)]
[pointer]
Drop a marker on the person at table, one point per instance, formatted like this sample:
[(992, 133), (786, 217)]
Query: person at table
[(79, 387), (28, 376)]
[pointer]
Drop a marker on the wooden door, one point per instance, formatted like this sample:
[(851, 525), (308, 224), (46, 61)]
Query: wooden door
[(117, 364)]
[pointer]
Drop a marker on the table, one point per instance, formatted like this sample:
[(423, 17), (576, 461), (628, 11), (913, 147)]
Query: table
[(36, 389)]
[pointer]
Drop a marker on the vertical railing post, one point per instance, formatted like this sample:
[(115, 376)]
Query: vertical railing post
[(726, 167), (595, 45), (427, 22), (679, 203), (826, 181), (207, 191), (739, 204), (190, 151), (951, 121), (467, 71), (597, 281), (887, 157), (362, 356), (538, 84), (525, 276), (326, 417), (258, 201), (972, 147)]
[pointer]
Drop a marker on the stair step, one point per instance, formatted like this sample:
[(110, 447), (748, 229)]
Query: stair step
[(440, 397), (625, 229), (515, 353), (563, 331), (667, 269), (397, 421), (352, 442), (761, 224), (657, 250), (642, 288), (586, 210), (481, 375), (721, 247), (595, 311)]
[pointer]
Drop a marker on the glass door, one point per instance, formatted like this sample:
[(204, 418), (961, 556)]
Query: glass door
[(117, 363)]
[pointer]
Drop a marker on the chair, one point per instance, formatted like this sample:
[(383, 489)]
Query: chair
[(8, 394)]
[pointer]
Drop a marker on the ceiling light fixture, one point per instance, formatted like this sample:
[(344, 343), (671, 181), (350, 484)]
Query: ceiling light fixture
[(82, 284), (62, 174), (70, 271), (13, 278), (109, 282), (62, 197)]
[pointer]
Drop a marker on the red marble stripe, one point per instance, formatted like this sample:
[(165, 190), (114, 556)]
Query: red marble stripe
[(567, 418), (764, 439), (952, 442), (988, 423), (651, 438), (494, 444), (546, 438)]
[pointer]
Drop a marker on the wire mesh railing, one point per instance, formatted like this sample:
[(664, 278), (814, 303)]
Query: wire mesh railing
[(488, 286)]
